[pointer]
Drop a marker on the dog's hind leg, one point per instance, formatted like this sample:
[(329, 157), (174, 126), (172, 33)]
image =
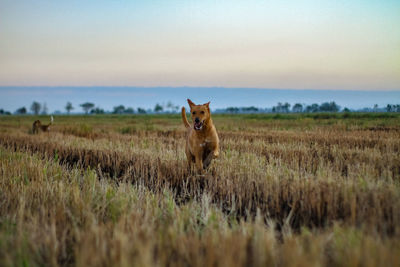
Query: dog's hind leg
[(190, 158)]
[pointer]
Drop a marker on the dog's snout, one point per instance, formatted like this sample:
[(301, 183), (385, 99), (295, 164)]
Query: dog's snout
[(197, 120)]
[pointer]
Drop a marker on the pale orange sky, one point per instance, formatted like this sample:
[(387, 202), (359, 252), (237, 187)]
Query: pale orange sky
[(299, 44)]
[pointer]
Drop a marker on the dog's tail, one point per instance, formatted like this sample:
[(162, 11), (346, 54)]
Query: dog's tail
[(51, 120), (184, 119)]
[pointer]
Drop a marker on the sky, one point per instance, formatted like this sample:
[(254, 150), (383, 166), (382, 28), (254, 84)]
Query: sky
[(147, 97), (320, 45)]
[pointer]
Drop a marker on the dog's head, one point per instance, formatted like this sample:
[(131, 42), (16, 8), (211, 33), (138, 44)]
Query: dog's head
[(200, 114)]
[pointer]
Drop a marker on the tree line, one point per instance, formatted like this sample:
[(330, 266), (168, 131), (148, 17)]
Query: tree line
[(298, 107), (90, 108), (312, 108)]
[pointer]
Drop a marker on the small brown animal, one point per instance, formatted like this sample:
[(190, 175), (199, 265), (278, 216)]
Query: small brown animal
[(38, 125), (202, 142)]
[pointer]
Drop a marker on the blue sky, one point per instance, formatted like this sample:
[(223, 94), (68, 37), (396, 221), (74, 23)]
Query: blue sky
[(346, 45), (145, 97)]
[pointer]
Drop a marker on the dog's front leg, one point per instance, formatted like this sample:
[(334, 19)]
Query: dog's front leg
[(208, 159), (212, 155), (199, 163), (216, 153)]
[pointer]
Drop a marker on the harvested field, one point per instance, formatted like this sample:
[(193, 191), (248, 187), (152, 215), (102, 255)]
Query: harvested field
[(323, 188)]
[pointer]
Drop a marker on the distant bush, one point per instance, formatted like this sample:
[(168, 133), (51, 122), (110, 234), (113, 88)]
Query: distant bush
[(21, 111), (97, 111)]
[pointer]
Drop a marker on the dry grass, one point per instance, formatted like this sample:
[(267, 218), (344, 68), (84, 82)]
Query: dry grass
[(115, 190)]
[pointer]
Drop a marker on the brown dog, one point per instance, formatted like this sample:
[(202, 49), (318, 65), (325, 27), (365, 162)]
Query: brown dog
[(38, 125), (202, 142)]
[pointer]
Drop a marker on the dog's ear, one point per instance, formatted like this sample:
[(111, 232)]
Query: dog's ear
[(191, 103), (207, 105)]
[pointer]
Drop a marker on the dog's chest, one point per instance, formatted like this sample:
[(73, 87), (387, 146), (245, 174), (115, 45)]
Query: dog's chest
[(205, 143)]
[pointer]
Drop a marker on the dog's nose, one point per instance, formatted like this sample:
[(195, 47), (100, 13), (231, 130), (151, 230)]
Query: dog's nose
[(197, 120)]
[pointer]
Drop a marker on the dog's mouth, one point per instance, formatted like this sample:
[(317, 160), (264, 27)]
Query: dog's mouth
[(198, 125)]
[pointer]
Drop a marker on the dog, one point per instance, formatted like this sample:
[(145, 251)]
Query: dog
[(202, 142), (38, 125)]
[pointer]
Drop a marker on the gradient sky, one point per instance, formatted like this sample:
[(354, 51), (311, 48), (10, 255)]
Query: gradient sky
[(352, 45)]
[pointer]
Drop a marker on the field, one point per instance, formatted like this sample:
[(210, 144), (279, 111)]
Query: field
[(288, 190)]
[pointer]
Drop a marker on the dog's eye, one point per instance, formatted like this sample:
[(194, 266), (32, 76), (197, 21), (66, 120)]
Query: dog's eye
[(202, 112), (194, 113)]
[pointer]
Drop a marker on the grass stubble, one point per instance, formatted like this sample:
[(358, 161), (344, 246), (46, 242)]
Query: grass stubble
[(115, 191)]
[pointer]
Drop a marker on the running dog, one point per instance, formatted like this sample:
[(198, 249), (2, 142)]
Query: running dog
[(38, 125), (202, 142)]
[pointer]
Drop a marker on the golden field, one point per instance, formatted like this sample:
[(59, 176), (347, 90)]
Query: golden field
[(288, 190)]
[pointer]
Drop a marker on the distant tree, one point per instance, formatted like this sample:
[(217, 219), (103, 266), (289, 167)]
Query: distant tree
[(129, 111), (393, 108), (44, 108), (69, 107), (4, 112), (171, 107), (35, 107), (251, 109), (312, 108), (277, 108), (87, 107), (158, 108), (281, 108), (97, 110), (346, 110), (335, 106), (376, 108), (297, 108), (329, 107), (21, 111), (286, 107), (141, 111), (232, 109), (119, 109)]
